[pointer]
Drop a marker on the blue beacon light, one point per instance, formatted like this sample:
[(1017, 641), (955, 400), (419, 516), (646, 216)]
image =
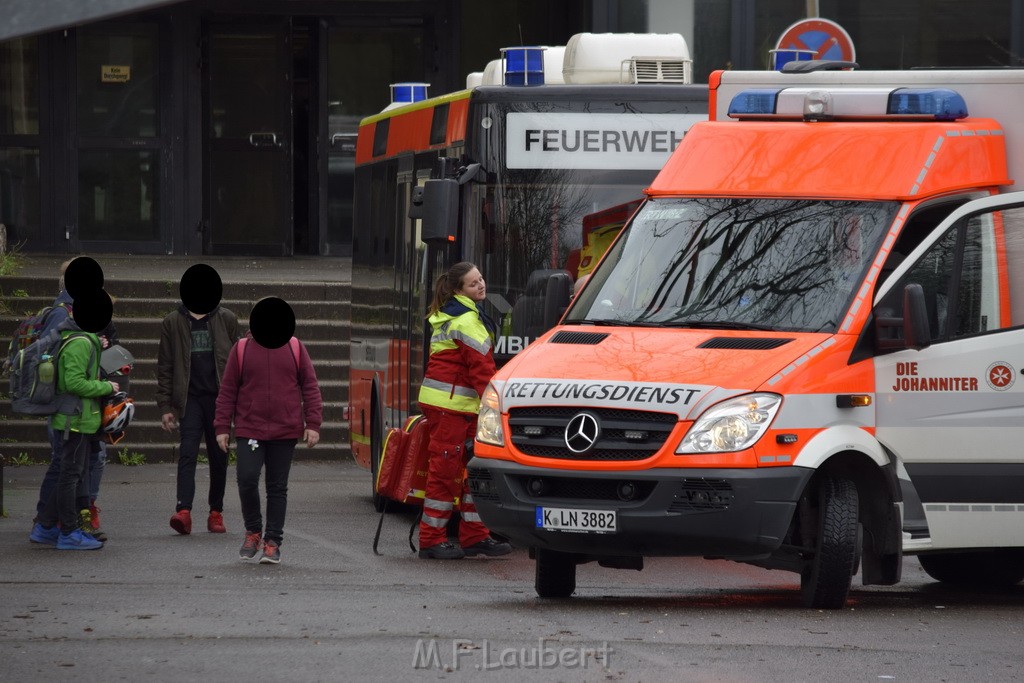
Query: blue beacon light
[(407, 93), (523, 65)]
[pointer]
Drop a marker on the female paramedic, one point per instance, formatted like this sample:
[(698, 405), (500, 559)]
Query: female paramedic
[(460, 365)]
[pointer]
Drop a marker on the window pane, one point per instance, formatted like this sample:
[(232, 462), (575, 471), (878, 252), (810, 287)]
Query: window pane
[(19, 87), (978, 294), (397, 55), (19, 193), (118, 195), (933, 272), (118, 81)]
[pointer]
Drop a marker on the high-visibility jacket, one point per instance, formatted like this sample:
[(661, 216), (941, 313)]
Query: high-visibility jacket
[(461, 361)]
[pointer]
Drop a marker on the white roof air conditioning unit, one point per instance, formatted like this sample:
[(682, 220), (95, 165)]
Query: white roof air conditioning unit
[(599, 57), (656, 70)]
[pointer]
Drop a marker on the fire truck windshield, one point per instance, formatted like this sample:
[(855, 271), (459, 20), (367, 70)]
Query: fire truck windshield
[(737, 263)]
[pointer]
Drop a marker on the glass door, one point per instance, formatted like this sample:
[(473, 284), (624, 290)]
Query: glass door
[(122, 142), (248, 139)]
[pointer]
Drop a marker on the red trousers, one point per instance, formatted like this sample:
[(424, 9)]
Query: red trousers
[(446, 480)]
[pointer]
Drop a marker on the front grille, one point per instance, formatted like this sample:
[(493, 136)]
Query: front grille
[(751, 343), (646, 432), (481, 484), (582, 489), (701, 495), (567, 337)]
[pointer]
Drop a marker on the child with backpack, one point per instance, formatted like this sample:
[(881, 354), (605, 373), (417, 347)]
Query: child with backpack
[(58, 316), (77, 368)]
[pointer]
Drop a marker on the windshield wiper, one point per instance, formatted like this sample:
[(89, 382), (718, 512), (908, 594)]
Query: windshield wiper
[(613, 323), (717, 325)]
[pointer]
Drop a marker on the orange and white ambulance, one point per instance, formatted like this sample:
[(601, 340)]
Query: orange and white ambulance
[(803, 352)]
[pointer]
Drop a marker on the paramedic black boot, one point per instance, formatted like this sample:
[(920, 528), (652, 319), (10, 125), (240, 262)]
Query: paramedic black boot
[(442, 551)]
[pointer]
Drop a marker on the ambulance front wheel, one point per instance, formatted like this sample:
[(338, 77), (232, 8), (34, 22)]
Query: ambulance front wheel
[(555, 573), (833, 536), (1002, 567)]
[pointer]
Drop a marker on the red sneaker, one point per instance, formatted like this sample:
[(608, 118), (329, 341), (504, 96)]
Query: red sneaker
[(181, 521), (95, 512), (215, 523)]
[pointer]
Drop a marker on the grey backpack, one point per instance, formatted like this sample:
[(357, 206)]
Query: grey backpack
[(34, 377)]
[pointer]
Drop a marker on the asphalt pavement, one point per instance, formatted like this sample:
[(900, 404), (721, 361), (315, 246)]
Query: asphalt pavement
[(156, 606)]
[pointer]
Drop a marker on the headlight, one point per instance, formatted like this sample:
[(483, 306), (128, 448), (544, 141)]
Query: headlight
[(732, 425), (488, 423)]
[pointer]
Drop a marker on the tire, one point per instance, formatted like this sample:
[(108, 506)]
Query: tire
[(980, 569), (376, 447), (555, 574), (825, 580)]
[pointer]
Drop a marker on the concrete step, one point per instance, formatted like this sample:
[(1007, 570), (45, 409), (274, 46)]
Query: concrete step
[(20, 286), (320, 300), (131, 309)]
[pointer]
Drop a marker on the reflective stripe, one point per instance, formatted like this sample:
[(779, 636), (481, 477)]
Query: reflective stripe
[(480, 346), (447, 333), (437, 504), (449, 388), (468, 500), (445, 400), (434, 521), (470, 517)]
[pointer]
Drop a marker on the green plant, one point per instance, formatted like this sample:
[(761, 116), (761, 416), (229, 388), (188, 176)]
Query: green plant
[(22, 459), (11, 260), (232, 457), (131, 459)]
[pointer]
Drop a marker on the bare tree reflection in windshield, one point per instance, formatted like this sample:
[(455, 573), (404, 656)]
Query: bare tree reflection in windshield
[(746, 263)]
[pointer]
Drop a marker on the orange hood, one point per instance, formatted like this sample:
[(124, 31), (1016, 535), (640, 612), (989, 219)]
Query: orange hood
[(667, 370)]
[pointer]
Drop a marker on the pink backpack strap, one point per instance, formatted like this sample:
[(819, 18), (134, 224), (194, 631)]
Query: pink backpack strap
[(240, 355)]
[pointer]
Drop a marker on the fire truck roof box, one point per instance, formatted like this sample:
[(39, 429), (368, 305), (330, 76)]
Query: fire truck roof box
[(627, 58)]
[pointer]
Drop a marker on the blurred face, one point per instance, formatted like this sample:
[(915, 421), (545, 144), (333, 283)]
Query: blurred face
[(473, 286)]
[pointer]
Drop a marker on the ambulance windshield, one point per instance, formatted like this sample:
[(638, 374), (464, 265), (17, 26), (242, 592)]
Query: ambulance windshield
[(778, 264)]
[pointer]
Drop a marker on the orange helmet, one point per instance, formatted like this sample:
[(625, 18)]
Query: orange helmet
[(118, 413)]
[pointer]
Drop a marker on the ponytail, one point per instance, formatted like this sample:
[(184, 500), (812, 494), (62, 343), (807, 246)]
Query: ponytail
[(447, 284)]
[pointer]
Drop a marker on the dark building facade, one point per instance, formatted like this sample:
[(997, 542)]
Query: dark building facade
[(227, 126)]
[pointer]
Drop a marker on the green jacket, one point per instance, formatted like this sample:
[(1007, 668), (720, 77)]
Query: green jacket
[(76, 375)]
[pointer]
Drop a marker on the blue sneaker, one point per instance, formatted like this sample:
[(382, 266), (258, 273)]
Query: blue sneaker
[(40, 534), (77, 540)]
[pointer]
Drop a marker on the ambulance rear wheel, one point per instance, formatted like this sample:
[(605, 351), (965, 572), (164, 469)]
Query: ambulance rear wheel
[(825, 580), (1001, 568), (555, 574)]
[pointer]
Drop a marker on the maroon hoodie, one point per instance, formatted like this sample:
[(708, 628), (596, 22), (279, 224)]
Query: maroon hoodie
[(268, 397)]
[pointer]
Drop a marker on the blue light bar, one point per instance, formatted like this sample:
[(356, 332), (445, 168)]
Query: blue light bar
[(754, 102), (407, 93), (780, 58), (523, 65), (940, 104)]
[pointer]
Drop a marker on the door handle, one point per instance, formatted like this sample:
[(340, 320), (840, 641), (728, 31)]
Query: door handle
[(263, 140)]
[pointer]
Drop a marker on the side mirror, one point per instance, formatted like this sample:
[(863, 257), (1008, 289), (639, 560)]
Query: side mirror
[(916, 331), (436, 203)]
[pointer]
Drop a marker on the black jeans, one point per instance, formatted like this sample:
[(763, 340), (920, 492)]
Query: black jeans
[(89, 488), (277, 456), (197, 424), (61, 505)]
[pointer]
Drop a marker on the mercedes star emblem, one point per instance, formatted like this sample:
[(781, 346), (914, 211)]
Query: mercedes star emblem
[(582, 432)]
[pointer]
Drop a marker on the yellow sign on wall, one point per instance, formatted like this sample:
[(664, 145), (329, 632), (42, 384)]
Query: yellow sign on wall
[(112, 73)]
